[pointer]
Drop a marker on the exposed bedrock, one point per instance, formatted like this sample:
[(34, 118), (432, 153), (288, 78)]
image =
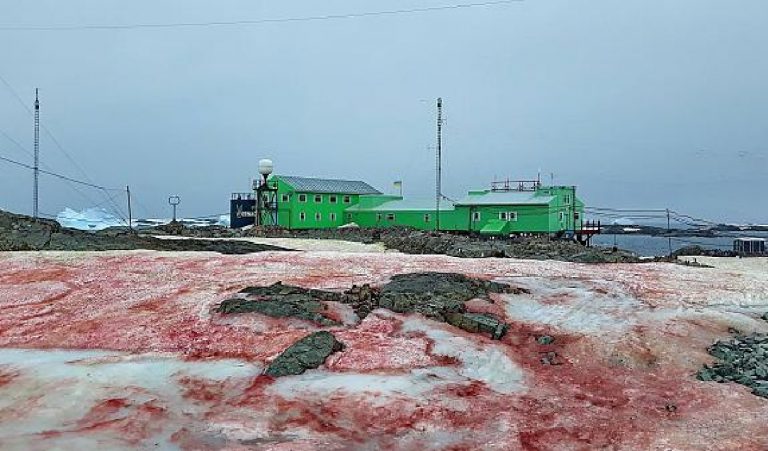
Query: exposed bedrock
[(23, 233), (743, 359), (439, 296), (308, 353)]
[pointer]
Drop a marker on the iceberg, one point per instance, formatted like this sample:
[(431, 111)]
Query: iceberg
[(88, 219), (623, 222)]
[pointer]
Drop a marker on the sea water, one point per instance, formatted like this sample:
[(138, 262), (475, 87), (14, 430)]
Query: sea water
[(649, 246)]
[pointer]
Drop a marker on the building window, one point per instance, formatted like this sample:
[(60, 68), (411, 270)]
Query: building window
[(333, 217), (285, 198), (427, 218), (349, 217), (511, 216), (576, 216), (302, 197), (567, 199), (475, 216), (318, 198), (390, 216), (302, 216), (347, 199), (562, 216), (503, 215), (378, 217), (332, 199), (318, 217)]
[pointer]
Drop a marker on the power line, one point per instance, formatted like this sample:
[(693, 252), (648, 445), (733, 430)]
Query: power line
[(63, 177), (45, 129), (109, 198), (134, 26), (60, 147), (15, 143)]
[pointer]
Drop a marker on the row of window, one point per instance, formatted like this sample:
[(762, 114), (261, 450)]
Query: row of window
[(333, 199), (391, 217), (503, 215), (318, 217), (476, 216)]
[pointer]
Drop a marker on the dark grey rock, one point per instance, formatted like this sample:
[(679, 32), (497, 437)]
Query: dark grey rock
[(478, 323), (282, 301), (742, 360), (545, 340), (440, 296), (23, 233), (308, 353)]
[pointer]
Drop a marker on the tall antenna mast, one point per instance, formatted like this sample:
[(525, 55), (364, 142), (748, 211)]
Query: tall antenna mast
[(35, 189), (438, 163)]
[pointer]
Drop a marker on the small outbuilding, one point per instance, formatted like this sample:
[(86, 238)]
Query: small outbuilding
[(749, 246)]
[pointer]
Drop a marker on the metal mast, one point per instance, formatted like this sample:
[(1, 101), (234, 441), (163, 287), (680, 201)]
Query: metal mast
[(35, 189), (438, 163)]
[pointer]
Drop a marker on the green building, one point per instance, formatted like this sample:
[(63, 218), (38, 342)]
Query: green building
[(313, 203), (493, 212), (508, 208)]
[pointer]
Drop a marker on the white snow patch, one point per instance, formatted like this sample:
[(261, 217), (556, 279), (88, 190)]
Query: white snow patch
[(65, 384), (574, 306), (324, 384), (486, 362)]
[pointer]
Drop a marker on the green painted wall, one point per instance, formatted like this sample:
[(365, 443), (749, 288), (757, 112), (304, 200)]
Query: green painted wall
[(304, 210), (417, 219), (528, 218)]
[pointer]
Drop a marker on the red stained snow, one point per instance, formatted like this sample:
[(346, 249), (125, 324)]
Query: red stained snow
[(7, 375), (621, 391)]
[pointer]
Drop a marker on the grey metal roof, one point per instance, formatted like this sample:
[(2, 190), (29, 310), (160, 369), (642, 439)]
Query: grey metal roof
[(407, 205), (506, 198), (315, 185)]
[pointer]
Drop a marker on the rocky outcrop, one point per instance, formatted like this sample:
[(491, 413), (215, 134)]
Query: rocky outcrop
[(281, 301), (479, 323), (411, 241), (23, 233), (695, 251), (743, 360), (435, 295), (439, 296), (308, 353)]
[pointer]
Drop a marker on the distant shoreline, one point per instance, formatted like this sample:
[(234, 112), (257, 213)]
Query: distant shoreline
[(718, 231)]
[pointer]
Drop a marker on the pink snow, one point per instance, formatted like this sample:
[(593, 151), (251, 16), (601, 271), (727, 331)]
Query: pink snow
[(122, 350)]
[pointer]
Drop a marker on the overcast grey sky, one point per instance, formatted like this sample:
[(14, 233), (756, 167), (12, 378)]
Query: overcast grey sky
[(639, 103)]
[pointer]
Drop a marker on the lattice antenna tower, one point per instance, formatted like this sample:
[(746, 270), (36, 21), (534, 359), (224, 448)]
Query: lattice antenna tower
[(36, 167)]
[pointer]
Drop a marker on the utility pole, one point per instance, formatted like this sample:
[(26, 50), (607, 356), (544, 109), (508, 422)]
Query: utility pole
[(438, 163), (669, 237), (130, 218), (36, 167)]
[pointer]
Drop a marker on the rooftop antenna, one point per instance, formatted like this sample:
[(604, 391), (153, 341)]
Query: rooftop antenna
[(36, 167), (438, 162)]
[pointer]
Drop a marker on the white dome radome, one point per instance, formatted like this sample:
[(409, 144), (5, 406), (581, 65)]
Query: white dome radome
[(265, 167)]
